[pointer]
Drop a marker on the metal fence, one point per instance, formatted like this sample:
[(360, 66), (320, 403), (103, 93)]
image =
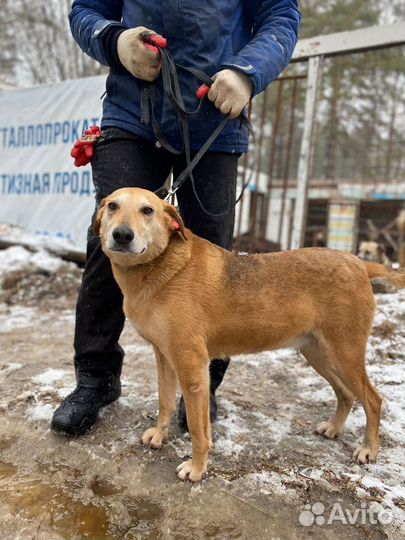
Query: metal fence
[(331, 128)]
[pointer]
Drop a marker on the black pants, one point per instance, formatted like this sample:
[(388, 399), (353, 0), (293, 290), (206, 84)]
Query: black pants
[(121, 160)]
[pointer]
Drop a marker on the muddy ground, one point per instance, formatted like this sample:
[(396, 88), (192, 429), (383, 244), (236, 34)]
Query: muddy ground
[(266, 465)]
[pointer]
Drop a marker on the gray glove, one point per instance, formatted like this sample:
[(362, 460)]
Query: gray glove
[(140, 59)]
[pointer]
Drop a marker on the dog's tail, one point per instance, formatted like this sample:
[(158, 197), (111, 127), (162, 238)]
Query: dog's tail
[(395, 277)]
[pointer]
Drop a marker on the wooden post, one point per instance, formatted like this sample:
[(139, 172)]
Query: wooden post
[(363, 39), (304, 163)]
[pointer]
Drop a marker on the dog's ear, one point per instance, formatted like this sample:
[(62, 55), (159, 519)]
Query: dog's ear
[(99, 217), (174, 221)]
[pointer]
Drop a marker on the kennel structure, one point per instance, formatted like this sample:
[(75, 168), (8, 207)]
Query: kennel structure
[(328, 136)]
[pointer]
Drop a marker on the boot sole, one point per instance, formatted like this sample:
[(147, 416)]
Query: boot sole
[(73, 431)]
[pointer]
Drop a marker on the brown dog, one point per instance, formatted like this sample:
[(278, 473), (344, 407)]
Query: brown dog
[(194, 301)]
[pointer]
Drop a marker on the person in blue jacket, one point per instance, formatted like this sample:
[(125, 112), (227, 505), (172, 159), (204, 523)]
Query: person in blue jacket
[(244, 45)]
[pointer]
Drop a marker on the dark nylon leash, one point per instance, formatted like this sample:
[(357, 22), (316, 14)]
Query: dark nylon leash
[(171, 88)]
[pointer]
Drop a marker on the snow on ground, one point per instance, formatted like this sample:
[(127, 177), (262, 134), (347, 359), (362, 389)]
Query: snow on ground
[(49, 376), (9, 368), (30, 277), (265, 467), (19, 258), (14, 234)]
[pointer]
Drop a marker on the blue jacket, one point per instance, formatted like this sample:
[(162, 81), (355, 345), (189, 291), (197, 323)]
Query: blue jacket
[(256, 37)]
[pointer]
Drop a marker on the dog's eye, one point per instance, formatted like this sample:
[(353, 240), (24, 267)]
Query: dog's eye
[(112, 206), (147, 210)]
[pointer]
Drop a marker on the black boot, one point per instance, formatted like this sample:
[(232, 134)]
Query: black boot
[(218, 368), (96, 387), (79, 410)]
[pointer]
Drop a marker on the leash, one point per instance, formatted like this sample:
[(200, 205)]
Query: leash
[(171, 88)]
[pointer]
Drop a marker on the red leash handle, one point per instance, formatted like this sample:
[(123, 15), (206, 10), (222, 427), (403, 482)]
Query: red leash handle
[(153, 41), (202, 91)]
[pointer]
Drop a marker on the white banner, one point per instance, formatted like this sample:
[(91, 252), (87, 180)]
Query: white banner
[(40, 188)]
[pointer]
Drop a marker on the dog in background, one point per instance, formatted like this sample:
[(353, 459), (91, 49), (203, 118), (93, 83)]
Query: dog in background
[(194, 301), (374, 252)]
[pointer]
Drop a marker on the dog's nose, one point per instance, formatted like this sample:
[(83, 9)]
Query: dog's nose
[(123, 235)]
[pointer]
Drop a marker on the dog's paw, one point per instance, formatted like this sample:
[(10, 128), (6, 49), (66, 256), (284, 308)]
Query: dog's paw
[(327, 429), (154, 437), (365, 454), (188, 471)]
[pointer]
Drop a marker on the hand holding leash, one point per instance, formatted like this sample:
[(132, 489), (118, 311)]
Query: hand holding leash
[(137, 53), (230, 92)]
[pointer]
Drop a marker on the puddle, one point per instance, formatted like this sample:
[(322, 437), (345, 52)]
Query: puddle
[(65, 517), (6, 470), (47, 504), (104, 488), (78, 519)]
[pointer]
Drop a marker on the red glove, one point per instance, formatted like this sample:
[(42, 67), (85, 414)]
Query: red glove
[(83, 149)]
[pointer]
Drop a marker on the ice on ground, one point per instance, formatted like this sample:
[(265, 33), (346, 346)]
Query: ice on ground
[(49, 376), (236, 430), (269, 483), (41, 411)]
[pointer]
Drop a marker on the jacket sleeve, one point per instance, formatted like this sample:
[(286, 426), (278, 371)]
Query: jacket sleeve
[(90, 20), (274, 36)]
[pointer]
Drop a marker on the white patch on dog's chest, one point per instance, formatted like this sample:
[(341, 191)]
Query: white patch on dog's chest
[(296, 343)]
